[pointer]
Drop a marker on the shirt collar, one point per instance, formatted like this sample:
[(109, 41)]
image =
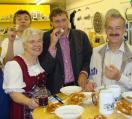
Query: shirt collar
[(121, 49)]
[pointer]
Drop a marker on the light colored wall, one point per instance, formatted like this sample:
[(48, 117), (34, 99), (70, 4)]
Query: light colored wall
[(98, 6)]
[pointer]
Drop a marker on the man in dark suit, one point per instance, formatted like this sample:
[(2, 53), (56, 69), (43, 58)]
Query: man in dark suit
[(66, 54)]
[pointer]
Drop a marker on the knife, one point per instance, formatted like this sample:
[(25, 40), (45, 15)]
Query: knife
[(58, 98)]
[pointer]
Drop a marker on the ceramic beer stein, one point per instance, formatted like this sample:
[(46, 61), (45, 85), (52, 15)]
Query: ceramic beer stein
[(105, 100)]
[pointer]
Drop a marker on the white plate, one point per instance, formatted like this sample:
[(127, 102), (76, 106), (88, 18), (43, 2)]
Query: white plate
[(88, 98), (127, 94), (68, 90), (69, 111)]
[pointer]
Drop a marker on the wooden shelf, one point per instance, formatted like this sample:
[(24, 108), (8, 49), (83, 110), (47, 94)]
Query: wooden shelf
[(40, 20), (38, 24), (5, 21), (32, 21)]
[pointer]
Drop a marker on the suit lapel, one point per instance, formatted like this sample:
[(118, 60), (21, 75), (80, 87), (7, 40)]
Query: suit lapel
[(127, 57), (102, 53), (59, 55), (73, 53)]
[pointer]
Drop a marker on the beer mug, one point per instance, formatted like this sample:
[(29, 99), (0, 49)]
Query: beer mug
[(116, 90), (106, 102), (41, 95)]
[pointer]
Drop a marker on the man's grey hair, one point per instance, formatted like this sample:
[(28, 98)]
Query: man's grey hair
[(114, 13)]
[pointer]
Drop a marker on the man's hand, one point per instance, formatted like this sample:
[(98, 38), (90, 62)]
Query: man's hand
[(112, 72), (82, 80), (90, 86), (11, 33), (54, 36)]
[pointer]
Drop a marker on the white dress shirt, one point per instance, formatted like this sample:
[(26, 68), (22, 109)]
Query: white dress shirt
[(112, 58), (17, 47)]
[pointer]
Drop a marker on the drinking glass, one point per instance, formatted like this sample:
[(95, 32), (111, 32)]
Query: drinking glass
[(41, 95)]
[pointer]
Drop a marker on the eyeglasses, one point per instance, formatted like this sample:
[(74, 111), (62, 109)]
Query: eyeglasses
[(60, 21)]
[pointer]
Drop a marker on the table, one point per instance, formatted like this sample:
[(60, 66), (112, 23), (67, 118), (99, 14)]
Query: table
[(89, 112)]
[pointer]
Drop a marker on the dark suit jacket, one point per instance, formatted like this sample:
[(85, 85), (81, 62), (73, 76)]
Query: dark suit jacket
[(80, 50)]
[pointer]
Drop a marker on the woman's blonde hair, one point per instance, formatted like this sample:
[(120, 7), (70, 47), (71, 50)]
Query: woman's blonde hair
[(29, 32)]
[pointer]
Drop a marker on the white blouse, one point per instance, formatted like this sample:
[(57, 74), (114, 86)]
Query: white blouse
[(13, 76), (17, 47)]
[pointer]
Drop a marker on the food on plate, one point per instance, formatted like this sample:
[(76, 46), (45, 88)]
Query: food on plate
[(124, 106), (75, 98), (52, 106), (100, 117), (129, 97)]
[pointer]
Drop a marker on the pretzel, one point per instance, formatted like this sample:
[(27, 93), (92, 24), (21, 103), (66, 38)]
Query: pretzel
[(76, 98), (52, 106), (124, 107), (100, 117)]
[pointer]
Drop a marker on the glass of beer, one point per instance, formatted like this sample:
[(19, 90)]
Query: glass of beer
[(41, 95)]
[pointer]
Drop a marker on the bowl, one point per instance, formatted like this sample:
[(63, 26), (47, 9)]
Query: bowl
[(69, 111), (68, 90), (127, 96)]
